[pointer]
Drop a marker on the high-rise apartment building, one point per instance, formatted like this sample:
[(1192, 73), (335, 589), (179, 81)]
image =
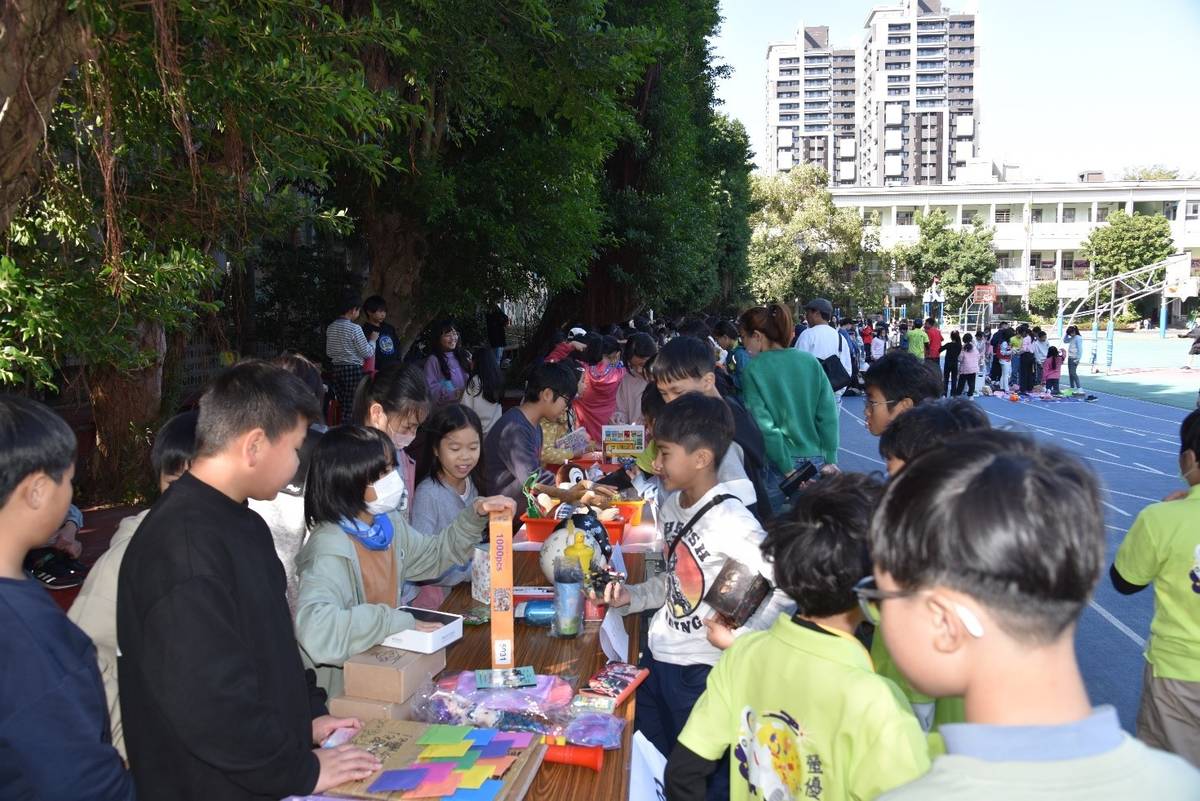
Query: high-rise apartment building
[(811, 105), (900, 110), (918, 116)]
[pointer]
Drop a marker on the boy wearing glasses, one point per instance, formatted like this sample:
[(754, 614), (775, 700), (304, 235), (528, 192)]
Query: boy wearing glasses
[(980, 598), (799, 705), (896, 383)]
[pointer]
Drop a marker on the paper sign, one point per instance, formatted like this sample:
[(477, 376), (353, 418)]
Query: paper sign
[(614, 639), (623, 441), (646, 769), (575, 443), (500, 556)]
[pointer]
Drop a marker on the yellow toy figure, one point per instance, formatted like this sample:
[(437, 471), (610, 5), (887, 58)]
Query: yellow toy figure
[(581, 551)]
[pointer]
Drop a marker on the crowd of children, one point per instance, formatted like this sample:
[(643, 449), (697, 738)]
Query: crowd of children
[(918, 641)]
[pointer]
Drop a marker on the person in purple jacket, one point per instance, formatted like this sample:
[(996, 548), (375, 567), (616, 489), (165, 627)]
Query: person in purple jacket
[(448, 365)]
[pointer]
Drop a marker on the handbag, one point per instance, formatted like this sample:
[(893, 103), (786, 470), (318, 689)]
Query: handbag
[(835, 371)]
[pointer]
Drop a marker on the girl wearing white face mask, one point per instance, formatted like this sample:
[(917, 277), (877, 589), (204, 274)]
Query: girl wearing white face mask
[(395, 401), (361, 550)]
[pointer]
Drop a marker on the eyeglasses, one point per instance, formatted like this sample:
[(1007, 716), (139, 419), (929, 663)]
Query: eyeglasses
[(869, 595), (871, 403)]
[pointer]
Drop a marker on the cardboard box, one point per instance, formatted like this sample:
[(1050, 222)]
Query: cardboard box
[(390, 674), (426, 642), (345, 706)]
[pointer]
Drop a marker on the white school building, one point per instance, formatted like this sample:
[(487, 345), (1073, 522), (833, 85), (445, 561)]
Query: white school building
[(1040, 228)]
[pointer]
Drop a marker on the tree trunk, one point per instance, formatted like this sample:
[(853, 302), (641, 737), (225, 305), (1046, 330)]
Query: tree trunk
[(126, 407), (397, 248), (40, 40)]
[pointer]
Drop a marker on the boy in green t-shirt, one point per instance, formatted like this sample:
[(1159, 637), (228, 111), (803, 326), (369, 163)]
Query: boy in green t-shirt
[(980, 597), (1163, 548), (918, 341), (799, 706)]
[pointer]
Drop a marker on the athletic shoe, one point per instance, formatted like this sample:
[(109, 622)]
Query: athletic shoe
[(55, 570)]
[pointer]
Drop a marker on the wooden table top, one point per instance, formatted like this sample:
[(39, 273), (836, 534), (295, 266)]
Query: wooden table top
[(574, 660)]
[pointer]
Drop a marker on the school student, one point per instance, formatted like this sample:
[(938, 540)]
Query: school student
[(54, 733), (685, 364), (640, 350), (396, 402), (1162, 549), (512, 450), (979, 596), (485, 388), (215, 700), (447, 366), (387, 343), (969, 362), (450, 476), (347, 347), (362, 550), (95, 610), (896, 383), (703, 525), (849, 734)]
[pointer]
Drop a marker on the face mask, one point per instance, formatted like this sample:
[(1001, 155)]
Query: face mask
[(402, 441), (389, 492)]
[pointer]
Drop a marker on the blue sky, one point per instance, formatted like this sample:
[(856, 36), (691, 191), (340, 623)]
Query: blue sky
[(1064, 85)]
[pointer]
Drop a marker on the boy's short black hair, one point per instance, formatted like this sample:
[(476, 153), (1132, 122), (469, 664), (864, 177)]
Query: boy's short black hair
[(610, 344), (819, 551), (560, 379), (344, 461), (696, 421), (899, 375), (253, 394), (682, 358), (33, 439), (373, 304), (725, 328), (1018, 526), (1189, 434), (350, 299), (174, 445), (652, 402), (929, 426)]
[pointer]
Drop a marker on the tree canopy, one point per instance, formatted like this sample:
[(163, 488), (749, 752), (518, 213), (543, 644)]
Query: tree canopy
[(959, 259), (1127, 242), (803, 246)]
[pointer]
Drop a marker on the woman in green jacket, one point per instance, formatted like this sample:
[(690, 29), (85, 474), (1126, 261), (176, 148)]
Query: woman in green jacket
[(361, 550), (789, 396)]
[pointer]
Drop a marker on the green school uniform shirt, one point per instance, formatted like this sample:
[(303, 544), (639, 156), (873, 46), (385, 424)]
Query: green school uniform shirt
[(945, 710), (1163, 548), (805, 716), (918, 340)]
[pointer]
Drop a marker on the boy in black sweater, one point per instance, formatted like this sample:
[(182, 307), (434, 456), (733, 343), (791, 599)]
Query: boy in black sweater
[(54, 735), (215, 700)]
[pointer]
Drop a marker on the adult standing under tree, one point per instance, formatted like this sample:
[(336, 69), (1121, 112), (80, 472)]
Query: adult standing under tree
[(788, 394)]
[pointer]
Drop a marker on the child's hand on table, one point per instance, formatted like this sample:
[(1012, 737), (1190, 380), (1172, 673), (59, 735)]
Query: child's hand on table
[(326, 725), (719, 635)]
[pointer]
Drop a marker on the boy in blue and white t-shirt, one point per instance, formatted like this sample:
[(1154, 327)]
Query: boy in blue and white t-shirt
[(703, 526)]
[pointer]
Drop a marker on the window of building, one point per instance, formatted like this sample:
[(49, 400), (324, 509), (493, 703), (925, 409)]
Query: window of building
[(1003, 215), (1068, 215), (930, 51), (896, 92), (1102, 214), (893, 66), (783, 61), (1035, 216), (931, 25), (897, 78), (1193, 210), (898, 26), (904, 218), (893, 53), (893, 40), (929, 65)]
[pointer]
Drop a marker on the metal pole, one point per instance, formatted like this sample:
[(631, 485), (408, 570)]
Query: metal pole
[(1162, 315), (1110, 333)]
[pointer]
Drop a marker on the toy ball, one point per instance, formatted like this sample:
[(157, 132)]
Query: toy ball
[(1014, 397), (594, 536)]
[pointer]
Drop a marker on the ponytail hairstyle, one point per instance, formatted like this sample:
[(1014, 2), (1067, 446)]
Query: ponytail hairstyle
[(773, 320), (968, 343), (399, 388), (436, 333)]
